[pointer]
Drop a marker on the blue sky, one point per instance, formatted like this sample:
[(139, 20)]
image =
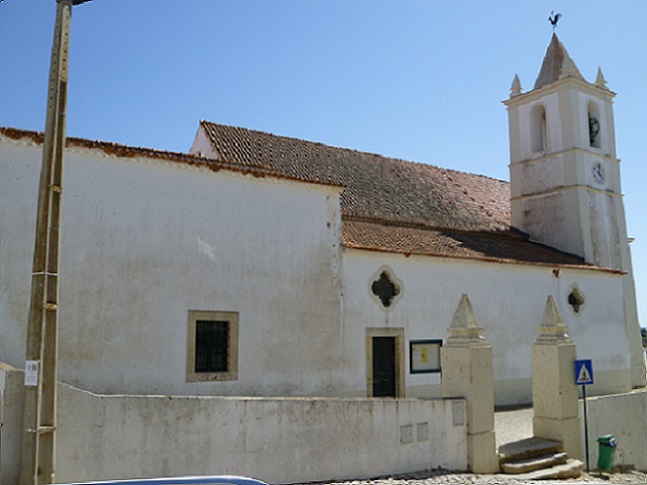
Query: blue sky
[(418, 80)]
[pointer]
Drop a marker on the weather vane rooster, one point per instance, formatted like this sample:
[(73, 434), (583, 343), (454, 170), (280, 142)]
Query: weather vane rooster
[(554, 18)]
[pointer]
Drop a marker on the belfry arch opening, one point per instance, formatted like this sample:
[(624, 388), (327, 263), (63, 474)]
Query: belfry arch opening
[(538, 129), (594, 125)]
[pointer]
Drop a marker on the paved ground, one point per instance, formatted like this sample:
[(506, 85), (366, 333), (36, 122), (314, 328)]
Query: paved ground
[(513, 425), (510, 426)]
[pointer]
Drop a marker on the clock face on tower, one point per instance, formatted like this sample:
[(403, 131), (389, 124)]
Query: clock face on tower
[(598, 173)]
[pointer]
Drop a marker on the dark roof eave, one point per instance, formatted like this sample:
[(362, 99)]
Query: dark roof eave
[(488, 259)]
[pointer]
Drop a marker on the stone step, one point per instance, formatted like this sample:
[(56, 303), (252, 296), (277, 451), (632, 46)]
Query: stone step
[(531, 464), (570, 469), (528, 448)]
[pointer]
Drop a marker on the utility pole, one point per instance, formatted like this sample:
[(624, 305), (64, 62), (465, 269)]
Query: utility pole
[(38, 446)]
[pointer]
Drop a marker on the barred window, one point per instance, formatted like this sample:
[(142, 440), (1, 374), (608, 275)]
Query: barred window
[(211, 345), (212, 351)]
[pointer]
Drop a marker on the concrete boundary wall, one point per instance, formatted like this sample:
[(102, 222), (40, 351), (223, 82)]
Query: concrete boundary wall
[(11, 404), (624, 416), (279, 440)]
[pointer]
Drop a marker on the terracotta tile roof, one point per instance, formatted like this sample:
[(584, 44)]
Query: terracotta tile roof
[(509, 246), (376, 186), (125, 151), (397, 206)]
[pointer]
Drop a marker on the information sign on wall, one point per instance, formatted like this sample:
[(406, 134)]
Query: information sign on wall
[(425, 356)]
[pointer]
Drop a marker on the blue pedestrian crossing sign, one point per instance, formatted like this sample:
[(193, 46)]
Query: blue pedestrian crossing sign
[(583, 372)]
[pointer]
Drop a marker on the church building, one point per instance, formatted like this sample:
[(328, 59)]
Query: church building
[(262, 265)]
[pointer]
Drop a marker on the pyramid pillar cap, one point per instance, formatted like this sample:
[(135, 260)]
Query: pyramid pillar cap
[(552, 329), (465, 329)]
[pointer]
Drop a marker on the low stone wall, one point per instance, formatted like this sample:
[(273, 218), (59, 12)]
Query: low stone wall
[(279, 440), (11, 404), (624, 416)]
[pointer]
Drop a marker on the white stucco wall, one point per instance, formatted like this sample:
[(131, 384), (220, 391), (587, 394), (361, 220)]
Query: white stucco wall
[(508, 300), (144, 241)]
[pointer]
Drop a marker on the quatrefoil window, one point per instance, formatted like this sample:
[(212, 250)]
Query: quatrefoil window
[(385, 289), (576, 299)]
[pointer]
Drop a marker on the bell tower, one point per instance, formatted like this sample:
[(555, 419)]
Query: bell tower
[(565, 175)]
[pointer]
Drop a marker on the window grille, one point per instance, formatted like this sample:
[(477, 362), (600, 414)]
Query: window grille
[(212, 344)]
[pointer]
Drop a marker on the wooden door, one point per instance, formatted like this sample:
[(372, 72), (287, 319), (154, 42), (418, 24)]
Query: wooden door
[(384, 371)]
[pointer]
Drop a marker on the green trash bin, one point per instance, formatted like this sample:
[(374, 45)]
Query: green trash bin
[(607, 450)]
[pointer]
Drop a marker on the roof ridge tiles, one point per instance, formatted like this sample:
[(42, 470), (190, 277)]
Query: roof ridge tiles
[(129, 151), (39, 136)]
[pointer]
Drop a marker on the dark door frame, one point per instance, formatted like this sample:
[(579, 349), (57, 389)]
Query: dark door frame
[(399, 358)]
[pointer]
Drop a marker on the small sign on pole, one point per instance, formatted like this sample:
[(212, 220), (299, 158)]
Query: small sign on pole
[(31, 373), (584, 377), (583, 372)]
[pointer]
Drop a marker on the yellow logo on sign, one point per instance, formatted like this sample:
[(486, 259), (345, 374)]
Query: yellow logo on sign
[(424, 355)]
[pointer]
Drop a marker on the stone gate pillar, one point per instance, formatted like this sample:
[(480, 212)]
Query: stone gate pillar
[(554, 393), (466, 361)]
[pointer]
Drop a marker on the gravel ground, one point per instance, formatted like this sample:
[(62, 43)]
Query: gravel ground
[(444, 477)]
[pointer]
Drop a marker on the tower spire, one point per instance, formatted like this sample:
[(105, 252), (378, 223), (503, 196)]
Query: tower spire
[(556, 65)]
